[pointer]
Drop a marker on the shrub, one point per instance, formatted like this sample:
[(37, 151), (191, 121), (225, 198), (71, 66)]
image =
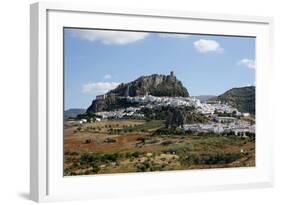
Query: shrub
[(89, 158), (95, 169), (88, 141), (166, 143), (142, 139), (153, 141), (110, 157), (72, 174), (145, 166), (135, 154), (140, 168), (110, 140)]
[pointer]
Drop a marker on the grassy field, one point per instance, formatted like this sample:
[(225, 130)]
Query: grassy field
[(121, 146)]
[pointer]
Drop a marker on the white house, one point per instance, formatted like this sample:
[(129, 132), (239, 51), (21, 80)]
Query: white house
[(246, 114), (82, 121)]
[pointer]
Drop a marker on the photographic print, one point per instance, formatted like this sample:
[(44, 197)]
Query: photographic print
[(137, 101)]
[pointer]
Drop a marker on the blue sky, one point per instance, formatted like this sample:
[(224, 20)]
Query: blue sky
[(98, 60)]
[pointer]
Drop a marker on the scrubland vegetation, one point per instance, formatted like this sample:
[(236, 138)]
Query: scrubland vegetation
[(122, 146)]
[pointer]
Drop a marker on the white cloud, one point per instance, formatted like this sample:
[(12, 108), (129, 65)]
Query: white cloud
[(204, 46), (109, 37), (99, 87), (249, 63), (107, 76), (173, 35)]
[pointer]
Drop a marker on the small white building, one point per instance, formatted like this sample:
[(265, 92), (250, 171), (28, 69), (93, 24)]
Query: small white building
[(246, 114), (82, 121), (218, 129)]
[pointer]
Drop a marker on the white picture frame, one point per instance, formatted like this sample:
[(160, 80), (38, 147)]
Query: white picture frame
[(47, 182)]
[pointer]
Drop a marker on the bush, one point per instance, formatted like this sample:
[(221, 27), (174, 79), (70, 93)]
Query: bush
[(88, 141), (140, 168), (89, 158), (145, 166), (166, 143), (153, 141), (142, 139), (95, 169), (110, 157), (98, 159), (135, 154), (110, 140)]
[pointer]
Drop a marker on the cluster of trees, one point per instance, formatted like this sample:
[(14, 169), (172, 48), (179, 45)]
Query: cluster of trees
[(173, 116), (101, 158), (211, 159), (94, 161), (148, 165), (88, 116), (170, 131), (157, 113), (225, 114), (124, 129)]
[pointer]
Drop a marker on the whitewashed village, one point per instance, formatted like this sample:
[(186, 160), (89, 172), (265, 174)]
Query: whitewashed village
[(212, 109)]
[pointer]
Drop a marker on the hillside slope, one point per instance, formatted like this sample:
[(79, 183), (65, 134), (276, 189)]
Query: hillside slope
[(242, 98)]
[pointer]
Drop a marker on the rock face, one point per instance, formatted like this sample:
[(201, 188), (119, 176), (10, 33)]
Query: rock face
[(242, 98), (156, 85), (180, 116), (110, 102)]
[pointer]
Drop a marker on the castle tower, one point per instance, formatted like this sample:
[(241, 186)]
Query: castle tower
[(172, 74)]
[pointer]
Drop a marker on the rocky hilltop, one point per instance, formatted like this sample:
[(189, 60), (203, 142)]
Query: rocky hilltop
[(156, 85)]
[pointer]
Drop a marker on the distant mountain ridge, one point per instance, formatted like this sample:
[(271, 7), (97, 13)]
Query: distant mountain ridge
[(73, 112), (243, 98), (205, 98), (155, 84)]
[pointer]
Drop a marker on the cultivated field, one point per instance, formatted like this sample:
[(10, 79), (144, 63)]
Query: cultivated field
[(121, 146)]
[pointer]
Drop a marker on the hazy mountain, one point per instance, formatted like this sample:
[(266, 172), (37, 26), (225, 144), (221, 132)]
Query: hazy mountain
[(73, 112), (205, 98)]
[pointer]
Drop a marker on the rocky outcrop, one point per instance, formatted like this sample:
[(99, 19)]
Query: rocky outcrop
[(156, 85)]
